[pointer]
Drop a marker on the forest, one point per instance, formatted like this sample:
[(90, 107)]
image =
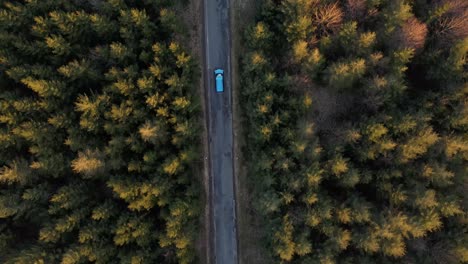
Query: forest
[(354, 111), (99, 132), (356, 115)]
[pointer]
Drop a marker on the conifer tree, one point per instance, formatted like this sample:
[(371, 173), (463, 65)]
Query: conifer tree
[(375, 181), (89, 94)]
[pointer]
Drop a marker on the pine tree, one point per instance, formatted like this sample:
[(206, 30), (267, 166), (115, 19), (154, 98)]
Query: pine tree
[(80, 178), (379, 185)]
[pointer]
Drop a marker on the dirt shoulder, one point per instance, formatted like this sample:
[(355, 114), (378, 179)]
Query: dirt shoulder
[(192, 16), (249, 246)]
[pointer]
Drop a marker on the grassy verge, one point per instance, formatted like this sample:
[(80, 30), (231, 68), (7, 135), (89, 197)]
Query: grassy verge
[(192, 14), (249, 228)]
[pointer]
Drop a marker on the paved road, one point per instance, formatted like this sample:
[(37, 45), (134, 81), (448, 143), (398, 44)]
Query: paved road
[(217, 51)]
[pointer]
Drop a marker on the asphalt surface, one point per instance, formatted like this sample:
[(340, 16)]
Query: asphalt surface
[(219, 106)]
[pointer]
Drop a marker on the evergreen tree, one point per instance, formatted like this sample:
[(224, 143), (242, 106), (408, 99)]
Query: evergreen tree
[(98, 134), (376, 181)]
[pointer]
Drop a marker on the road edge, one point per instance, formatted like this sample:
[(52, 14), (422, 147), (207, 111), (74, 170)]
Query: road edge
[(233, 64), (243, 14), (208, 181)]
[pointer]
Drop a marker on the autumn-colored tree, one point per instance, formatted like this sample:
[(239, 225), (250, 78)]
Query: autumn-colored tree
[(98, 133), (383, 181)]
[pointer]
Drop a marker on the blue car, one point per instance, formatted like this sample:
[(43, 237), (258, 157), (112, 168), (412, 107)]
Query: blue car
[(219, 74)]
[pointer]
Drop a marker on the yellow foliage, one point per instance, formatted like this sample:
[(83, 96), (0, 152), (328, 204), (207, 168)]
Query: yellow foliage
[(327, 260), (18, 171), (370, 244), (145, 83), (309, 129), (406, 125), (313, 179), (428, 200), (285, 247), (375, 57), (42, 87), (398, 197), (120, 112), (431, 221), (162, 111), (139, 16), (156, 99), (125, 87), (313, 220), (315, 57), (164, 241), (367, 39), (418, 145), (182, 59), (300, 50), (288, 198), (353, 136), (174, 47), (356, 66), (172, 167), (257, 59), (35, 165), (88, 163), (140, 196), (182, 128), (450, 209), (137, 260), (300, 147), (262, 108), (181, 102), (300, 27), (260, 31), (311, 198), (266, 131), (100, 213), (118, 50), (386, 145), (376, 131), (182, 242), (68, 223), (173, 81), (343, 74), (58, 44), (303, 248), (85, 235), (462, 253), (394, 248), (343, 215), (40, 26), (156, 71), (148, 132), (131, 230), (339, 166), (276, 120), (343, 239), (455, 145), (307, 101)]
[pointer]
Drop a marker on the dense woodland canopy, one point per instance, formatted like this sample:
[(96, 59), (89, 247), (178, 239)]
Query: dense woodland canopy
[(98, 133), (356, 116)]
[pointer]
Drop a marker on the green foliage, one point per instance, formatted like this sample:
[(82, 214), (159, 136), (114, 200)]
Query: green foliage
[(344, 74), (98, 133), (355, 126)]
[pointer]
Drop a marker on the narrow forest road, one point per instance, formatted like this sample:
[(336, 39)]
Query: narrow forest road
[(220, 135)]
